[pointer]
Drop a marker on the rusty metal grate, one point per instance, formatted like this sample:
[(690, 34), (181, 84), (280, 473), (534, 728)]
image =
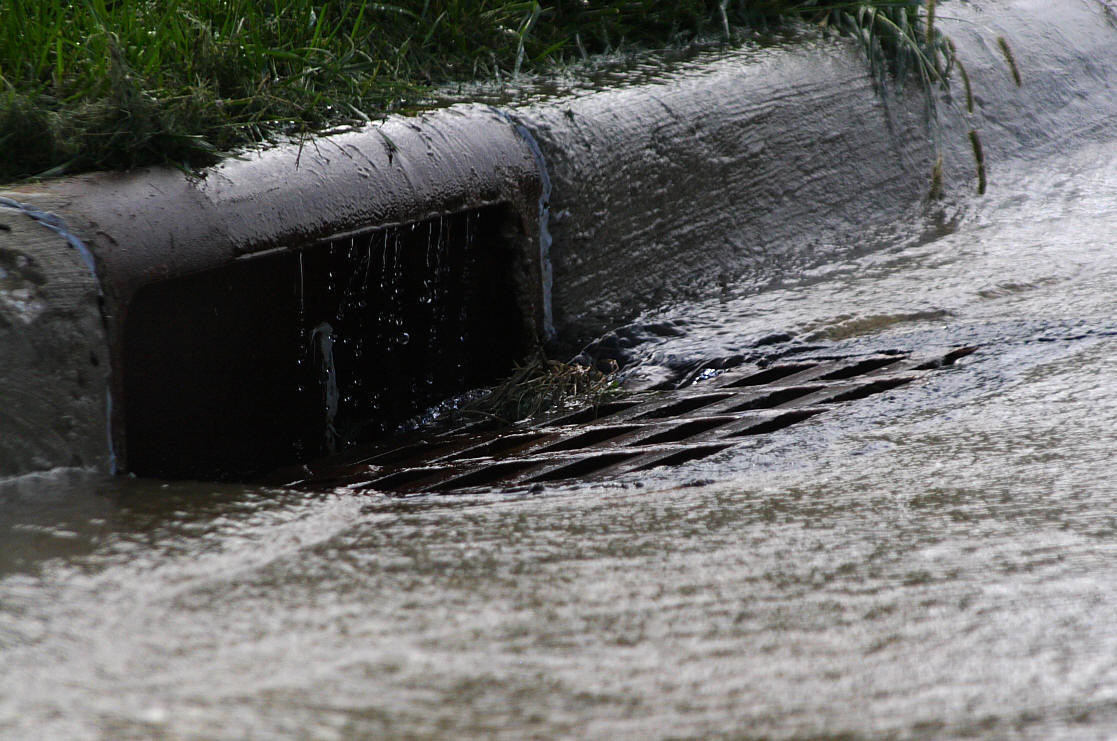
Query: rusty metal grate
[(636, 433)]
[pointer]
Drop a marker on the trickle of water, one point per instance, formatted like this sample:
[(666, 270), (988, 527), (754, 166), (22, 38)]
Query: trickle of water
[(396, 300), (323, 339), (302, 297)]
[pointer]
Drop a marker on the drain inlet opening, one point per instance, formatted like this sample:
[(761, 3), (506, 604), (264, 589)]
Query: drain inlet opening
[(300, 353), (590, 438), (776, 398), (770, 374), (583, 467), (687, 455), (861, 367), (486, 475), (502, 445), (592, 413), (403, 478), (778, 422), (869, 389), (684, 406), (685, 431)]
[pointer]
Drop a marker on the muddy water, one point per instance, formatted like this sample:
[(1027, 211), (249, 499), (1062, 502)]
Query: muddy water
[(936, 562)]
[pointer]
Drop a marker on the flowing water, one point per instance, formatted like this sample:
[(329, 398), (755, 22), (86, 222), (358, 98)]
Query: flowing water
[(935, 562)]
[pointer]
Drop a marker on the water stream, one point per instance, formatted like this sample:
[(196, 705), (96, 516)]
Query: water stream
[(936, 564)]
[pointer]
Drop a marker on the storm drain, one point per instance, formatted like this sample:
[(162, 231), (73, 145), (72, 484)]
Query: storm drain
[(636, 433), (297, 353)]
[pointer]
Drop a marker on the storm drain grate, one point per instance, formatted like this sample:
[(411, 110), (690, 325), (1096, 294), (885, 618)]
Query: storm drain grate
[(636, 433)]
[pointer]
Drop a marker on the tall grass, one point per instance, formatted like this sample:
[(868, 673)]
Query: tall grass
[(93, 84)]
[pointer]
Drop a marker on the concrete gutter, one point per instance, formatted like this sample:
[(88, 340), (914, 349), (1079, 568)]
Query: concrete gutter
[(744, 169)]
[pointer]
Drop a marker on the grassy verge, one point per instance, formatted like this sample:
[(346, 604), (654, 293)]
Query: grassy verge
[(111, 84)]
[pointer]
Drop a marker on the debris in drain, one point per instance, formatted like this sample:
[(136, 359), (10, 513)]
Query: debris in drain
[(636, 433)]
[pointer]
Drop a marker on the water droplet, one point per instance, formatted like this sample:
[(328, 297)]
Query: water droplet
[(403, 338)]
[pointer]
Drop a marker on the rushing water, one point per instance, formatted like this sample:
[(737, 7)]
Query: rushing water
[(934, 562)]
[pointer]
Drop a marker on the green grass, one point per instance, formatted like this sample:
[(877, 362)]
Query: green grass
[(115, 84)]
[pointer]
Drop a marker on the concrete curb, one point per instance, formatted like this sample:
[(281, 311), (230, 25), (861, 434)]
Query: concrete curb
[(158, 225), (761, 165), (744, 169)]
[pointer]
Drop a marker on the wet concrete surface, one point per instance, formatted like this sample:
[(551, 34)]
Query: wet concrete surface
[(938, 564), (782, 158)]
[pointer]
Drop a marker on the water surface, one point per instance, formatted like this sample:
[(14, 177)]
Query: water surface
[(935, 562)]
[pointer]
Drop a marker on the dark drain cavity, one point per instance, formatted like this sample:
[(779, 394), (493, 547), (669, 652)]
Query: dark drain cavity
[(685, 455), (309, 351), (583, 467), (861, 367), (686, 431), (591, 438), (778, 422), (776, 397), (772, 373), (637, 433), (500, 446), (593, 413), (685, 405)]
